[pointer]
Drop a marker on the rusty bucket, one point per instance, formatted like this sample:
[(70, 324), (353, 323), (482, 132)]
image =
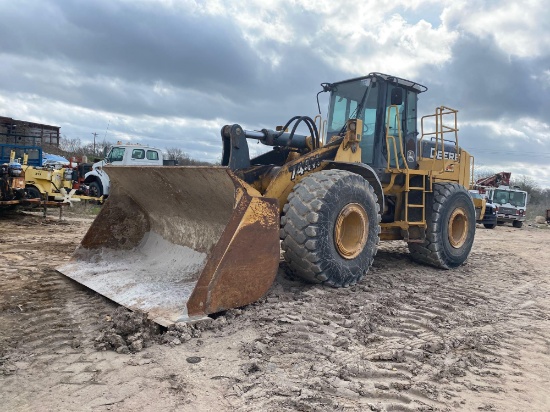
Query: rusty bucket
[(179, 242)]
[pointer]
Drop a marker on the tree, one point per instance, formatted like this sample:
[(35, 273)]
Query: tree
[(530, 185), (73, 145), (175, 153), (183, 159)]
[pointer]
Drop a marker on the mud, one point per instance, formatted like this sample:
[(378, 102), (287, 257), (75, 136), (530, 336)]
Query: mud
[(127, 332), (409, 337)]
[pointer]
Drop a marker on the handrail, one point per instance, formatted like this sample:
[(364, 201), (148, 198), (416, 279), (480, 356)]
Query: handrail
[(440, 130), (399, 154), (472, 182)]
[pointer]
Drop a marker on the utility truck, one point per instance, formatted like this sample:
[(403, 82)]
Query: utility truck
[(120, 155), (510, 201)]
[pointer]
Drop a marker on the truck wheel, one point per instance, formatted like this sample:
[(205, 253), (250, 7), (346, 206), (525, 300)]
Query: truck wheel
[(330, 227), (33, 193), (517, 223), (450, 218), (95, 189), (489, 225)]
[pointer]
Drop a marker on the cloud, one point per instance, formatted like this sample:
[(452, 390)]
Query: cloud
[(172, 72), (516, 28)]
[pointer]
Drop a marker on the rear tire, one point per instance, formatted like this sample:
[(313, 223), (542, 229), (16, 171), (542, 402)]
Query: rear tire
[(450, 218), (517, 223), (330, 228), (489, 225)]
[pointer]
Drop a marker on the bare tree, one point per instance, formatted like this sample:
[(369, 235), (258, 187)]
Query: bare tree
[(530, 185), (175, 153), (73, 145), (183, 159)]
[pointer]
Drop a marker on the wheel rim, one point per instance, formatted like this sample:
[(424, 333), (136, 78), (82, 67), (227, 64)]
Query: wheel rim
[(458, 228), (351, 231)]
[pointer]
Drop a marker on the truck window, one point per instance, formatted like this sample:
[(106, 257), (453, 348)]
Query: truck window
[(116, 154), (138, 154), (152, 155)]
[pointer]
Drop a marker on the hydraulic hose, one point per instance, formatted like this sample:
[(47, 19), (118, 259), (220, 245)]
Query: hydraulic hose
[(310, 125)]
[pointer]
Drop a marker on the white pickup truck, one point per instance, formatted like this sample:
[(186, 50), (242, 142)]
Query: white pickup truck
[(120, 155)]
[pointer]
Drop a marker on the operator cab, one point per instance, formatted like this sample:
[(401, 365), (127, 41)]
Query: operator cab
[(381, 102)]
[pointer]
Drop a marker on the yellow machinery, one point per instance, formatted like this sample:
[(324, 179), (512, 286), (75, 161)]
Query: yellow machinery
[(12, 183), (185, 242), (479, 204), (50, 181)]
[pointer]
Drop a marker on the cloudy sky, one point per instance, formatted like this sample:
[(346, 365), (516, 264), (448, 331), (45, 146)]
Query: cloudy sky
[(170, 73)]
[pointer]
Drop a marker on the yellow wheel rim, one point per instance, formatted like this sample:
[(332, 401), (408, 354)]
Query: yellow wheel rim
[(458, 228), (351, 231)]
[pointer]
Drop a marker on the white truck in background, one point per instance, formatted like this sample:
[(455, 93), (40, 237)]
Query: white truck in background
[(510, 202), (120, 155)]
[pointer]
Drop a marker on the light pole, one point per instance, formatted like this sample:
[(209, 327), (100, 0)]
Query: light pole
[(95, 134)]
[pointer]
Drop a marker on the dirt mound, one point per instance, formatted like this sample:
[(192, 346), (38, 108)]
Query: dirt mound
[(540, 220), (127, 332)]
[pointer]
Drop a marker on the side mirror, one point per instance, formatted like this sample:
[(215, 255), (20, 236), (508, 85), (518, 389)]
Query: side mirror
[(397, 96)]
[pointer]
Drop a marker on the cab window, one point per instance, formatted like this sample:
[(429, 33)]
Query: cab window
[(412, 99), (152, 155), (138, 154)]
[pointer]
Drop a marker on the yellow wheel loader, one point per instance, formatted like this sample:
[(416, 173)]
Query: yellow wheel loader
[(185, 242)]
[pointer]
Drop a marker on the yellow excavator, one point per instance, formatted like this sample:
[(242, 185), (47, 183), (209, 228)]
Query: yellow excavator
[(184, 242)]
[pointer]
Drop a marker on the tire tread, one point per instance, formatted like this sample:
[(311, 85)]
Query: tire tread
[(300, 227)]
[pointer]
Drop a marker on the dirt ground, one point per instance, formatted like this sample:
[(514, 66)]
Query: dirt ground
[(409, 337)]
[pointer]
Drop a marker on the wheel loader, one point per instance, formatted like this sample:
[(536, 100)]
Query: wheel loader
[(184, 242)]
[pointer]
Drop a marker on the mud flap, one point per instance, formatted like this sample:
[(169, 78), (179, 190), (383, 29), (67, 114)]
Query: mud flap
[(179, 242)]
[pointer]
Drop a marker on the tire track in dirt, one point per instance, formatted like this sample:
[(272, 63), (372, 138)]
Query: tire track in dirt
[(44, 312), (50, 322), (52, 312), (408, 337)]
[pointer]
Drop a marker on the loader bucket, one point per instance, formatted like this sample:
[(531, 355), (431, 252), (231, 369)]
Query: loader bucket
[(179, 242)]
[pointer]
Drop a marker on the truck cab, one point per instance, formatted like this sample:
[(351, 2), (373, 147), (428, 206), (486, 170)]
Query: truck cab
[(511, 204), (120, 155)]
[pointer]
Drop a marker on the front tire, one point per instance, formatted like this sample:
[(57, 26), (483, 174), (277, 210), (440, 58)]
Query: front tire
[(489, 225), (517, 223), (330, 228), (95, 189), (450, 218)]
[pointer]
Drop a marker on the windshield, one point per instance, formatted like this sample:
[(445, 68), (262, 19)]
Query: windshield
[(516, 199), (115, 155), (346, 100), (357, 99)]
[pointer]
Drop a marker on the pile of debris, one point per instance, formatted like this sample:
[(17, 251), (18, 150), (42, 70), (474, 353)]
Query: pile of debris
[(127, 332), (130, 332)]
